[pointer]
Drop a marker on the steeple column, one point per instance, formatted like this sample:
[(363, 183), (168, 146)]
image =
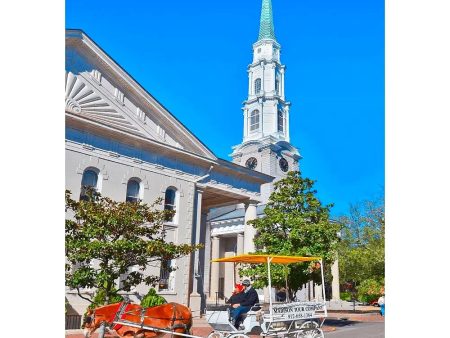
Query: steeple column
[(250, 81), (245, 122), (263, 67)]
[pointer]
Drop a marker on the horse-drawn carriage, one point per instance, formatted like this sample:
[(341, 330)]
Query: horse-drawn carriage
[(288, 319)]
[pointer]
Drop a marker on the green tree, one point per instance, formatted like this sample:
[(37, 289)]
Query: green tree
[(105, 238), (295, 223), (361, 251)]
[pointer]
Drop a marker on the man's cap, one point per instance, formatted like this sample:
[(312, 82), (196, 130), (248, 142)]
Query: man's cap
[(246, 282)]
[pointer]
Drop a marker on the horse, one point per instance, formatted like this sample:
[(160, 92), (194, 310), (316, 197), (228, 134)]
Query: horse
[(170, 317)]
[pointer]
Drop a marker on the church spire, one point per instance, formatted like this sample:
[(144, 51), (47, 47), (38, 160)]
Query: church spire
[(266, 30)]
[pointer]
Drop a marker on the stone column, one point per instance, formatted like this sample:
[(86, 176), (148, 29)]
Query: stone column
[(239, 251), (335, 292), (214, 287), (249, 231), (318, 292), (229, 275), (195, 298)]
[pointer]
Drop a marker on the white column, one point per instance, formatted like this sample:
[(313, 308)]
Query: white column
[(195, 297), (250, 82), (215, 250), (245, 122), (282, 83), (262, 65), (239, 251), (335, 292), (240, 244), (318, 292), (286, 132), (249, 230), (229, 275)]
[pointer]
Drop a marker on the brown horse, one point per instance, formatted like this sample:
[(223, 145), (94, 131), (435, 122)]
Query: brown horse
[(170, 317)]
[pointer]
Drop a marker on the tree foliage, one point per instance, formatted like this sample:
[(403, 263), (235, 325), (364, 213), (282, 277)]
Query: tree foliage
[(295, 223), (105, 238), (361, 251), (152, 299)]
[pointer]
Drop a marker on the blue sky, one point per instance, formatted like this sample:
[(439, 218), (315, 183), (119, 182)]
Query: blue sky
[(192, 56)]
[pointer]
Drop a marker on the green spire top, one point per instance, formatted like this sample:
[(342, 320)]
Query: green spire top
[(266, 30)]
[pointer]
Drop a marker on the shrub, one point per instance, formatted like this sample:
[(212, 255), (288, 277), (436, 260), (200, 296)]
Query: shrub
[(369, 290), (152, 299), (346, 296)]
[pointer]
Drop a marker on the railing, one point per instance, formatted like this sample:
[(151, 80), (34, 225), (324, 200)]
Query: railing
[(219, 295), (73, 322)]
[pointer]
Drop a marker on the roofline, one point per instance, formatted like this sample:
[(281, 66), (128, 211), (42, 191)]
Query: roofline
[(246, 171), (133, 79)]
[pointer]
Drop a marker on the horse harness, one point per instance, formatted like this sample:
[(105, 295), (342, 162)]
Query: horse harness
[(122, 309)]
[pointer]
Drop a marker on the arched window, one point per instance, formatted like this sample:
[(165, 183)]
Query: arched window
[(133, 191), (170, 202), (280, 121), (254, 120), (90, 178), (257, 86), (277, 85)]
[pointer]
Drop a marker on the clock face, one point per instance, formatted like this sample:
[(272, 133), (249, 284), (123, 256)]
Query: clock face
[(251, 163), (284, 165)]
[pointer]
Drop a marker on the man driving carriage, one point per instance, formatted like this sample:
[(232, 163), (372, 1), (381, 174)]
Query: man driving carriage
[(249, 298)]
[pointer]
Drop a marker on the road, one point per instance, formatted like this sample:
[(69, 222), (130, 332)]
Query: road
[(356, 330)]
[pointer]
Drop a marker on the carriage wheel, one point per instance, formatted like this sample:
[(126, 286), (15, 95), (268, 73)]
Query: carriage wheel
[(238, 335), (215, 334), (311, 324), (310, 333)]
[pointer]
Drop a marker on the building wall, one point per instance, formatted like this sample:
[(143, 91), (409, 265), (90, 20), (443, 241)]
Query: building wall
[(113, 177)]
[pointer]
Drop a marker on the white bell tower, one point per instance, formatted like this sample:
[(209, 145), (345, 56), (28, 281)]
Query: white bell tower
[(265, 146)]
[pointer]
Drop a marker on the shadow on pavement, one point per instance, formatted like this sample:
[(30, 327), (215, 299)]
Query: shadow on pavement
[(339, 322)]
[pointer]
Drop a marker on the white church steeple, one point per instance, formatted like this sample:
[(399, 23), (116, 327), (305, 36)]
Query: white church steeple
[(266, 142), (266, 112)]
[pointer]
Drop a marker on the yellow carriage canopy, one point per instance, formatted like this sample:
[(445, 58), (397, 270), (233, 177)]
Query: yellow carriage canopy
[(276, 259)]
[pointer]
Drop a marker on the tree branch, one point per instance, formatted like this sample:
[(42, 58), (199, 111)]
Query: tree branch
[(79, 294)]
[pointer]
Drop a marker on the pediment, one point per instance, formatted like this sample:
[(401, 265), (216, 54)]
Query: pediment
[(82, 99), (99, 90)]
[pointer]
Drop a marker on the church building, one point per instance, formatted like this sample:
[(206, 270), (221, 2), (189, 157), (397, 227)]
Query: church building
[(129, 147)]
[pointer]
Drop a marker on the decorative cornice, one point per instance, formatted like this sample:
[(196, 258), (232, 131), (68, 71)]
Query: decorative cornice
[(265, 62), (265, 97)]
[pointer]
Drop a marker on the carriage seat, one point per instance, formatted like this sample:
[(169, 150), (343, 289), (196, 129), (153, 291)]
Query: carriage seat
[(256, 307), (218, 307), (254, 310)]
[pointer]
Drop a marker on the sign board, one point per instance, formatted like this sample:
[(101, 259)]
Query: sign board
[(297, 310)]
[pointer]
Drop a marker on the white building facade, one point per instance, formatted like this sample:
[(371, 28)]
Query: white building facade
[(123, 142)]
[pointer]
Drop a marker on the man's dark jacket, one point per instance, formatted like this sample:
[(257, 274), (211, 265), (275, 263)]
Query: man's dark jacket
[(250, 298), (236, 298)]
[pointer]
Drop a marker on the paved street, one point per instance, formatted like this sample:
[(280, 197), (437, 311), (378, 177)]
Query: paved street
[(356, 330)]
